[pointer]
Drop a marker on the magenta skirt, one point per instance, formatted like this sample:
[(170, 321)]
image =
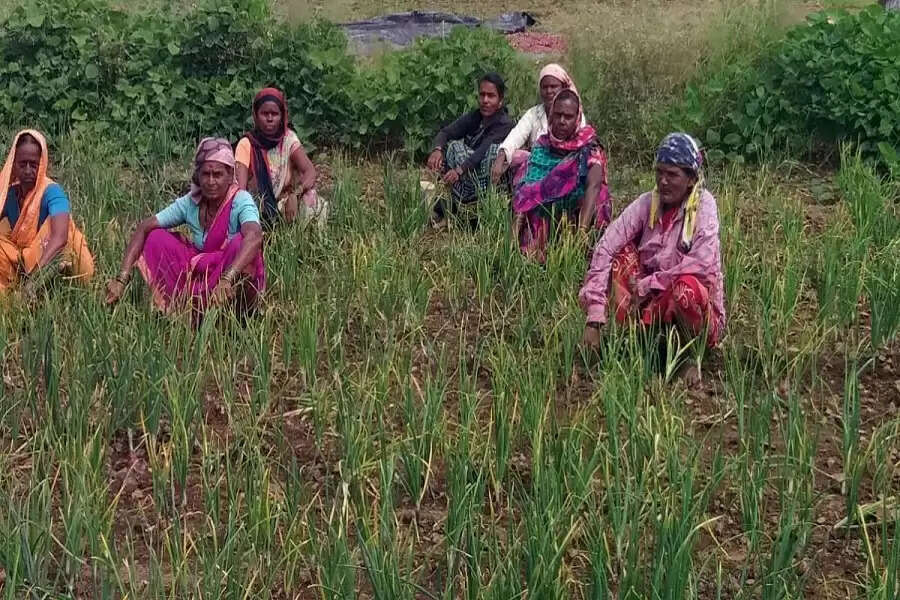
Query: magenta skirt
[(180, 276)]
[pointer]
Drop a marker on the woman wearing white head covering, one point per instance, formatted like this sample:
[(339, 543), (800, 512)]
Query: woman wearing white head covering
[(515, 148)]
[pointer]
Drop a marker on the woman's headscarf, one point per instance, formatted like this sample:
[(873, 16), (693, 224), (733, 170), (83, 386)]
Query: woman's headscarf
[(256, 136), (210, 150), (260, 143), (681, 150), (557, 72), (29, 206)]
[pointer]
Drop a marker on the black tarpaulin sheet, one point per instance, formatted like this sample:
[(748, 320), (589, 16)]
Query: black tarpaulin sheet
[(401, 29)]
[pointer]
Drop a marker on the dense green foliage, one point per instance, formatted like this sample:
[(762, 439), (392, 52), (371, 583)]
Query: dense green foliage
[(835, 78), (411, 91), (65, 61)]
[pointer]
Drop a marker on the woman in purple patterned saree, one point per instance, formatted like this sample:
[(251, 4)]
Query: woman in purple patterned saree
[(564, 183), (219, 261)]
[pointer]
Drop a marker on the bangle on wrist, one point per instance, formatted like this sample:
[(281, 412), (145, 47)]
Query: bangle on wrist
[(123, 277), (594, 325), (229, 276)]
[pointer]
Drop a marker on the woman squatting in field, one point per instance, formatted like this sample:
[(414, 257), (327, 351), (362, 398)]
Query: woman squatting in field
[(660, 258), (564, 183), (220, 263), (272, 161), (38, 239)]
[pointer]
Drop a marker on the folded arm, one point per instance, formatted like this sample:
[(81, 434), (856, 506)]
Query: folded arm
[(518, 137), (251, 244), (702, 261), (136, 244), (494, 135), (116, 287), (304, 168), (595, 181), (241, 175), (456, 130)]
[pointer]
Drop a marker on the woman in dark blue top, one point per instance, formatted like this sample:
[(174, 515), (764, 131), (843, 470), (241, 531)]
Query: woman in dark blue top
[(464, 150)]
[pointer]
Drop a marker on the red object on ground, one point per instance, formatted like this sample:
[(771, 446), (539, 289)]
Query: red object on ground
[(537, 43)]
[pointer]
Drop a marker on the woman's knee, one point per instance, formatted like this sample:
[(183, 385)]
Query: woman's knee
[(688, 292), (158, 235)]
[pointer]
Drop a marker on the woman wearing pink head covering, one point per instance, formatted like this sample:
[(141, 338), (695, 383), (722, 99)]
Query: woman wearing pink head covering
[(533, 124), (564, 182), (220, 260)]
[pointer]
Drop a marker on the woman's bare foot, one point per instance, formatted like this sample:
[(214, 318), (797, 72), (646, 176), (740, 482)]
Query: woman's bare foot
[(690, 374)]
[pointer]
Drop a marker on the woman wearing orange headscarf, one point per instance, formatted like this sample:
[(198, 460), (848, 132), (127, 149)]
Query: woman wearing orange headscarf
[(37, 236)]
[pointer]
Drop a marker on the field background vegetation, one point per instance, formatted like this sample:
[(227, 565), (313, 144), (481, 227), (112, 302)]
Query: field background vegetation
[(411, 415)]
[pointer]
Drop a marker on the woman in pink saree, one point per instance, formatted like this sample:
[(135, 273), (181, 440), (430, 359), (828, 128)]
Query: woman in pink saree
[(219, 262), (659, 263)]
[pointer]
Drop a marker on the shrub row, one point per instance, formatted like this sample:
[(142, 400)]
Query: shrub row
[(69, 61), (834, 78)]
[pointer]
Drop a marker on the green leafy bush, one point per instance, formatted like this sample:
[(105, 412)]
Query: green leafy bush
[(65, 61), (412, 91), (83, 60), (835, 78), (52, 61)]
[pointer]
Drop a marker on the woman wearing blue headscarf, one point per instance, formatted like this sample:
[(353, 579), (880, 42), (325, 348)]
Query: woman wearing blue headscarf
[(660, 258)]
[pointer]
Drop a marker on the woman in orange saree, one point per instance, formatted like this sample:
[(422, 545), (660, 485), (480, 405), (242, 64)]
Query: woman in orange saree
[(38, 239)]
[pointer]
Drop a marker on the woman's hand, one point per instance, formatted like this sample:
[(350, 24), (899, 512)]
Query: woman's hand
[(436, 160), (516, 231), (59, 234), (498, 168), (114, 291), (290, 208), (585, 241), (29, 292), (452, 176), (592, 337), (584, 235), (223, 294), (635, 307), (132, 253)]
